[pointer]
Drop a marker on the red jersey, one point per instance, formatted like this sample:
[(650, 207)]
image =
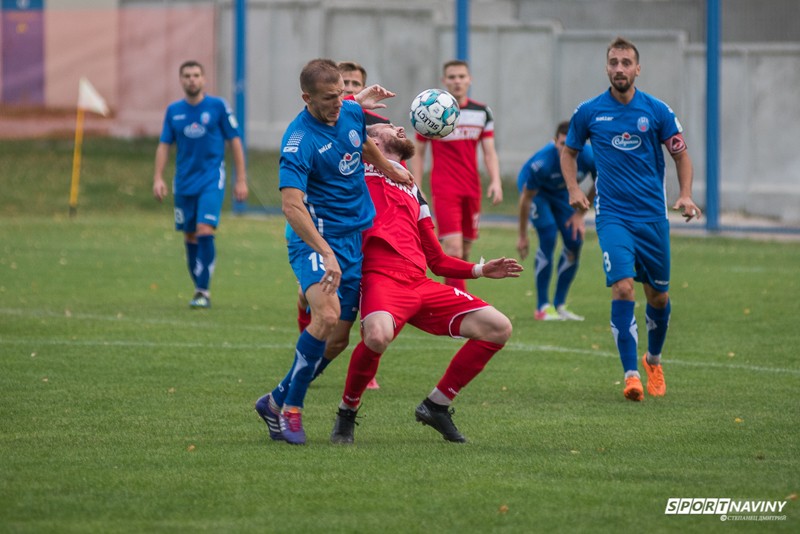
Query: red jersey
[(455, 157), (403, 221)]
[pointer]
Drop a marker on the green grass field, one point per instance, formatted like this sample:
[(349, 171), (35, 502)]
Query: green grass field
[(125, 411)]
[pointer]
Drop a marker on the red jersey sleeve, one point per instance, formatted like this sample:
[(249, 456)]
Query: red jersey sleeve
[(440, 263)]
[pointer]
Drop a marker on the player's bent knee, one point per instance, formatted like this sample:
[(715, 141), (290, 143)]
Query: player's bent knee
[(376, 340)]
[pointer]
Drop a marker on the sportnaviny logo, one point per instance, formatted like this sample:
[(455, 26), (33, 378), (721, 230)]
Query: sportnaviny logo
[(724, 507)]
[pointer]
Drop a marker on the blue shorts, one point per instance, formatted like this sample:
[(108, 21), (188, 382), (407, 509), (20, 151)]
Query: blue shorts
[(635, 250), (550, 209), (308, 268), (191, 210)]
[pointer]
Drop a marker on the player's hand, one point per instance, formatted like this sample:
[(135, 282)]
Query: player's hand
[(240, 190), (523, 247), (370, 97), (688, 209), (578, 200), (495, 192), (159, 189), (578, 225), (401, 175), (502, 268), (332, 276)]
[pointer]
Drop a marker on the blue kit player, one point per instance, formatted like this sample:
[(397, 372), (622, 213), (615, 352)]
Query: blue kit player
[(627, 128), (326, 202), (200, 125), (545, 201)]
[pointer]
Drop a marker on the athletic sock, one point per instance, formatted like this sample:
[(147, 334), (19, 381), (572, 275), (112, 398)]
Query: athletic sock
[(363, 366), (543, 264), (566, 274), (657, 325), (465, 365), (292, 390), (321, 365), (438, 397), (626, 335), (204, 266), (191, 259)]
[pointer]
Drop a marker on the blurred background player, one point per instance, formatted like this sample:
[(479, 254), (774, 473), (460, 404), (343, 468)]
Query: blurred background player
[(354, 77), (395, 290), (544, 200), (455, 180), (200, 125), (627, 128), (326, 203)]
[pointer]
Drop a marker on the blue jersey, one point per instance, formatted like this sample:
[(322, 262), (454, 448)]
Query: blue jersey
[(542, 172), (200, 132), (626, 139), (324, 162)]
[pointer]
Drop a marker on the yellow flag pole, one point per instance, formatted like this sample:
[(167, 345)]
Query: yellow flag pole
[(76, 165)]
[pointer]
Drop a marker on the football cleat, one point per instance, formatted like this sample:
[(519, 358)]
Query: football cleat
[(633, 389), (344, 426), (546, 313), (439, 417), (271, 414), (199, 301), (655, 378), (567, 315), (292, 427), (373, 384)]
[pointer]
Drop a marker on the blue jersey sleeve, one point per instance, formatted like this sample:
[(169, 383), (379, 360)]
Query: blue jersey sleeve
[(295, 162), (523, 176), (229, 126), (167, 135), (578, 129)]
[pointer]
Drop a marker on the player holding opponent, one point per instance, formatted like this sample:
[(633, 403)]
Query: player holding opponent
[(455, 180), (627, 127), (326, 202), (395, 290), (545, 201)]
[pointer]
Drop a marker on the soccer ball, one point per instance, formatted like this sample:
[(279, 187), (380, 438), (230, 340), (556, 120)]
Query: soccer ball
[(434, 113)]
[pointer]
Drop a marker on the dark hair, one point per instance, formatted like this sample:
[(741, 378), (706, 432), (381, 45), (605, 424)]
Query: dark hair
[(190, 63), (350, 66), (318, 71), (562, 128), (455, 63), (624, 44)]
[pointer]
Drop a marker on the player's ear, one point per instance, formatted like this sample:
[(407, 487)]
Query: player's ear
[(306, 97)]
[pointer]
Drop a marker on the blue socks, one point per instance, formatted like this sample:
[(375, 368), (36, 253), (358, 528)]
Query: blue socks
[(566, 274), (626, 336), (543, 264), (191, 259), (204, 265), (657, 325), (292, 389)]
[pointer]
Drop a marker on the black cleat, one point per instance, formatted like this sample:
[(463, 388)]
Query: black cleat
[(438, 416), (344, 426)]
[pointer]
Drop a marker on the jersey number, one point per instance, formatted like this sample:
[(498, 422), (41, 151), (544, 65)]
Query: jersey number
[(316, 262), (606, 262)]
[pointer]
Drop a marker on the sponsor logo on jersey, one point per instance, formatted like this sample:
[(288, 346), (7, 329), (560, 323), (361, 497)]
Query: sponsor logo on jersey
[(354, 138), (194, 131), (324, 148), (349, 163), (626, 142), (602, 118), (205, 118), (643, 124), (179, 117)]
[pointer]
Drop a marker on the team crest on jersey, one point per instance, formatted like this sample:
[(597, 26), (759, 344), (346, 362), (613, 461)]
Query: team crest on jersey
[(194, 131), (349, 163), (626, 142), (643, 124), (354, 138), (205, 118)]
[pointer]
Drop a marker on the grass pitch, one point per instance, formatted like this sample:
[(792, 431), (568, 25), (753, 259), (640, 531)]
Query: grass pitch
[(125, 411)]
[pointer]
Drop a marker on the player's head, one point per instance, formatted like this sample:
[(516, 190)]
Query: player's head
[(322, 88), (354, 77), (622, 64), (192, 78), (560, 138), (391, 140), (456, 78)]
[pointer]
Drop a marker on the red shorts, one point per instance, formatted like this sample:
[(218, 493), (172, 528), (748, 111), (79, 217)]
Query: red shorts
[(416, 299), (457, 215)]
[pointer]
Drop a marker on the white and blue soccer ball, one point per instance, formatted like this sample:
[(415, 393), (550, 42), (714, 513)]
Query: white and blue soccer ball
[(434, 113)]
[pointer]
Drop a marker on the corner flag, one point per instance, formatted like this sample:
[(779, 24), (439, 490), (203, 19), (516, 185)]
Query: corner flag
[(88, 100)]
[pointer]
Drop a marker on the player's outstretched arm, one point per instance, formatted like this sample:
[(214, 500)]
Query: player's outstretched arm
[(370, 97), (501, 268)]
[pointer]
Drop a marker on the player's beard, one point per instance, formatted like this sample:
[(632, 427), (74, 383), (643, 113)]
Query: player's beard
[(403, 147), (622, 84), (193, 92)]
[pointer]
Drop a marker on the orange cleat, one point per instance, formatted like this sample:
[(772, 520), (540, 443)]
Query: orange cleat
[(633, 389), (655, 378)]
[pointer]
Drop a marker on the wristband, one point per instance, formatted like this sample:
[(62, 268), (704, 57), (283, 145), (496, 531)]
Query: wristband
[(477, 269)]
